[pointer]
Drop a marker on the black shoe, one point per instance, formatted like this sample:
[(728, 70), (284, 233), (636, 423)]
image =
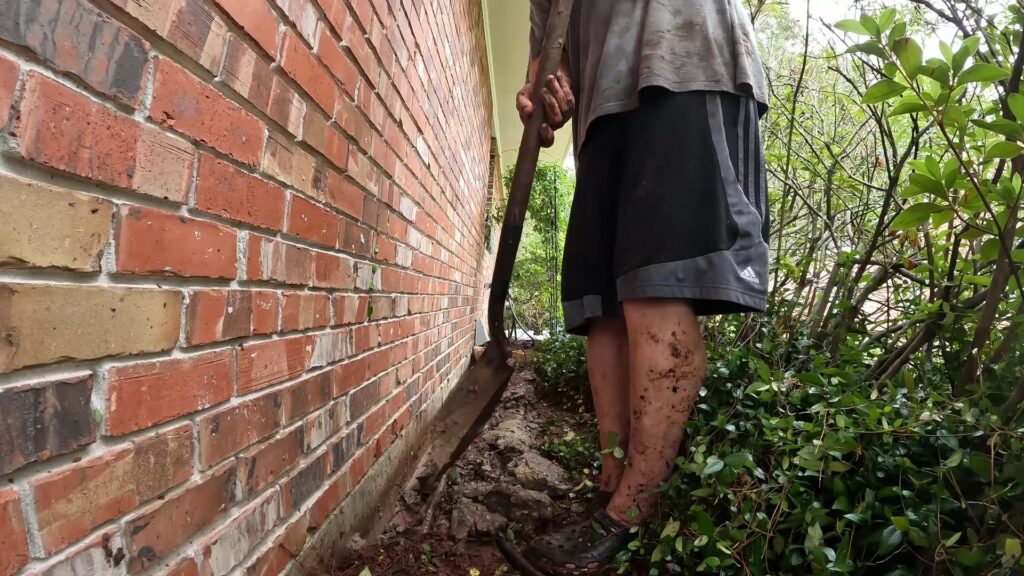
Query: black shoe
[(583, 548)]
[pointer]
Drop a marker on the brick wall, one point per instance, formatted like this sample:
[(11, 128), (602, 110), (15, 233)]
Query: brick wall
[(240, 250)]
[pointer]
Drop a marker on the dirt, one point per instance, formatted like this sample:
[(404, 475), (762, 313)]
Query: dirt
[(420, 539)]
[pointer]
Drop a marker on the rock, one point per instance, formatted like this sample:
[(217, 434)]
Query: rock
[(522, 357), (513, 502), (472, 519), (511, 436), (536, 472)]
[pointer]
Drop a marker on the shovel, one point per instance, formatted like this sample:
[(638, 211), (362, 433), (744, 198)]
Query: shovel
[(472, 402)]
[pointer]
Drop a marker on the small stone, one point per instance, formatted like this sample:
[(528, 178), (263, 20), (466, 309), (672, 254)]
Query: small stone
[(513, 502), (512, 435), (472, 519), (536, 472)]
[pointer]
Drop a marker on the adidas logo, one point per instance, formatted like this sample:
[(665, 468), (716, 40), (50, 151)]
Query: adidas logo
[(750, 276)]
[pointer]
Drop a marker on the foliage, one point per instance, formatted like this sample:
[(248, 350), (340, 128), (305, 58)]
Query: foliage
[(810, 473), (574, 444), (560, 364), (536, 279)]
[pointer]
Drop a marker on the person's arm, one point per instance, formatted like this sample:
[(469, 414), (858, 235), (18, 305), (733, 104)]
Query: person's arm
[(559, 102)]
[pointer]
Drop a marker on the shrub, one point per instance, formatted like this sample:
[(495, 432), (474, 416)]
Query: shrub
[(560, 364)]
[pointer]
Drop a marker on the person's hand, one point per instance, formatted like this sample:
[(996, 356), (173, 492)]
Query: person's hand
[(557, 98)]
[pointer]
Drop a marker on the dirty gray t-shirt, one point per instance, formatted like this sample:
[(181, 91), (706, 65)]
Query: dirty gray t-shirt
[(618, 47)]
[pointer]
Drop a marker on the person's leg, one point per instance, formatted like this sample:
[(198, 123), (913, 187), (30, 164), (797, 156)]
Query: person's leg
[(667, 362), (608, 369)]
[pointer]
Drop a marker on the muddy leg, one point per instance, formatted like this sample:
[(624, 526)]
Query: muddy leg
[(667, 361), (608, 369)]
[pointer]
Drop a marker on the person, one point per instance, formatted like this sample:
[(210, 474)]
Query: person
[(669, 223)]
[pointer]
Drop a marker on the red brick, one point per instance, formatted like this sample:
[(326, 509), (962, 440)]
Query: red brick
[(356, 42), (329, 51), (251, 77), (190, 25), (304, 483), (265, 307), (287, 162), (302, 13), (184, 103), (45, 419), (73, 500), (185, 567), (152, 241), (150, 393), (335, 148), (261, 465), (304, 310), (9, 71), (349, 376), (257, 20), (287, 546), (266, 363), (270, 259), (165, 526), (313, 222), (74, 37), (373, 424), (306, 395), (345, 196), (337, 14), (216, 315), (357, 239), (234, 428), (300, 64), (226, 191), (12, 533), (353, 123), (333, 271), (362, 171)]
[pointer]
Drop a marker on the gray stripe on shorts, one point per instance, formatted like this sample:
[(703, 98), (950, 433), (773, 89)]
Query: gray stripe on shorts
[(578, 312), (739, 274), (741, 148)]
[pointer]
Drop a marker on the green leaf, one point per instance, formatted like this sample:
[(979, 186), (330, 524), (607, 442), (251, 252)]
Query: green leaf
[(902, 523), (617, 453), (702, 492), (366, 572), (937, 70), (891, 539), (855, 518), (914, 216), (910, 55), (837, 466), (871, 25), (871, 48), (713, 465), (946, 50), (1016, 103), (886, 18), (967, 49), (970, 557), (658, 554), (952, 539), (671, 529), (954, 459), (908, 108), (738, 460), (1012, 548), (853, 27), (814, 536), (882, 91), (1003, 127), (982, 72), (1003, 150)]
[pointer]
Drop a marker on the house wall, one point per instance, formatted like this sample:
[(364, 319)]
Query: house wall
[(241, 251)]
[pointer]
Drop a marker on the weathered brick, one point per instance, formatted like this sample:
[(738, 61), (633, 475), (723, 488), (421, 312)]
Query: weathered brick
[(336, 61), (356, 238), (335, 148), (372, 424), (216, 315), (313, 222), (303, 310), (362, 399), (266, 363), (303, 15), (328, 502), (343, 450), (287, 544), (233, 428), (257, 20), (226, 191), (287, 162), (353, 38), (164, 165), (156, 242), (227, 546), (349, 376), (161, 528), (330, 347), (350, 309), (325, 424), (12, 533), (304, 483), (73, 500), (261, 465), (265, 307), (41, 324), (190, 25), (72, 36), (9, 72), (300, 64), (185, 567), (42, 420), (305, 396), (251, 77), (333, 271), (51, 227), (270, 259), (150, 393), (103, 553), (343, 194), (353, 123), (182, 102)]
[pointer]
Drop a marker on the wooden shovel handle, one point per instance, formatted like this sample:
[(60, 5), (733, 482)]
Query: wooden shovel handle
[(522, 178)]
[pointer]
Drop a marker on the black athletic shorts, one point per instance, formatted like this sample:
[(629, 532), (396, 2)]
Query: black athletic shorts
[(671, 202)]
